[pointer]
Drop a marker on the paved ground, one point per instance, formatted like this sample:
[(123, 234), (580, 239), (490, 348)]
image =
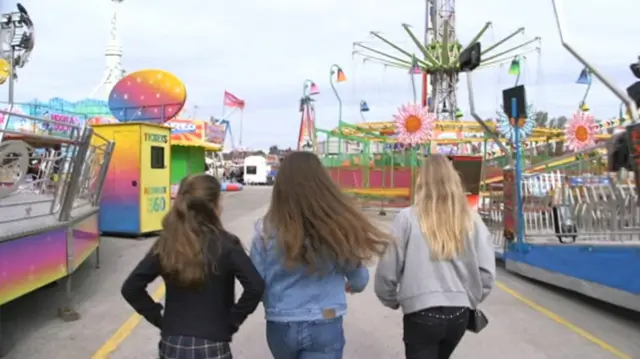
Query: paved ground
[(516, 329)]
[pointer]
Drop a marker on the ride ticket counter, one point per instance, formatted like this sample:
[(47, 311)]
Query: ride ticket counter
[(136, 194)]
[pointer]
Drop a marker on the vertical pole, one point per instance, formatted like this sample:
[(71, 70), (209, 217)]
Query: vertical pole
[(106, 160), (12, 81), (519, 208), (335, 92), (223, 106), (412, 167), (483, 175), (425, 77), (241, 119), (392, 170), (12, 53), (82, 147), (413, 88)]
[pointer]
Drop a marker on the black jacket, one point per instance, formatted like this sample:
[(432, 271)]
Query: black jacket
[(209, 312)]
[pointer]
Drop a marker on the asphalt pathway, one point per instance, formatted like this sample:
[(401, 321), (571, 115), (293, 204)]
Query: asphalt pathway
[(527, 319)]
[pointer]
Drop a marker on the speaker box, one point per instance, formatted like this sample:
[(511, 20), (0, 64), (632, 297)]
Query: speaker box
[(634, 92)]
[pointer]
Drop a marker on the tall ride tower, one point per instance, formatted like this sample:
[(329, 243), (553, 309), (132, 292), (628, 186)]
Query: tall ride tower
[(113, 70), (441, 29), (437, 56)]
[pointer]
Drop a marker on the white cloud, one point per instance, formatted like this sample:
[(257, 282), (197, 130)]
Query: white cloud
[(263, 50)]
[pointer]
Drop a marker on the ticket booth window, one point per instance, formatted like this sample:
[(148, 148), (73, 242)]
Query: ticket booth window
[(252, 170), (157, 157)]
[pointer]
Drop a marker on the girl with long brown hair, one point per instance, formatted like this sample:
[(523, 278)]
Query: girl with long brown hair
[(441, 266), (311, 247), (198, 261)]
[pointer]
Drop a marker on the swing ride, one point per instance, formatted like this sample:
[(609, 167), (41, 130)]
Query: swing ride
[(567, 193), (441, 58)]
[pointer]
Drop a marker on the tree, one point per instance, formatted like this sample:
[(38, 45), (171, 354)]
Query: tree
[(559, 123), (541, 118)]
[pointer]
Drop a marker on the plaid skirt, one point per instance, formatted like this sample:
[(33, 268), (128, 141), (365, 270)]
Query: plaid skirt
[(180, 347)]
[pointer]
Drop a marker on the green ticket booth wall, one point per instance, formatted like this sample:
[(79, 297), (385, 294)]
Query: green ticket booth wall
[(185, 160)]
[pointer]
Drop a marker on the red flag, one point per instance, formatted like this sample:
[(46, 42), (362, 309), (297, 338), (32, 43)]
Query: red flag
[(230, 100)]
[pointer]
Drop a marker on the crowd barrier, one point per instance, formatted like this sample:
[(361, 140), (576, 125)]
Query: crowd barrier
[(581, 231)]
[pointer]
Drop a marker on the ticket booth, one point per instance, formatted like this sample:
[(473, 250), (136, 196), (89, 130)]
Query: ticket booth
[(136, 191)]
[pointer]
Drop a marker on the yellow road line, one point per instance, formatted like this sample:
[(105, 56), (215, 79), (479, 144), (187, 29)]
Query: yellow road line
[(105, 351), (565, 323)]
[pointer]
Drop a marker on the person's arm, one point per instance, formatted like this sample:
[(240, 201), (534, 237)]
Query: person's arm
[(134, 289), (257, 251), (357, 279), (391, 264), (486, 258), (251, 281)]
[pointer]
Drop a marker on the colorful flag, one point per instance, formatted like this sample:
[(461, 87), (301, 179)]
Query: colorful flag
[(514, 69), (585, 77), (230, 100)]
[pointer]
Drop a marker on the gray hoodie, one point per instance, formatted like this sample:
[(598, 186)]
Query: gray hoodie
[(408, 277)]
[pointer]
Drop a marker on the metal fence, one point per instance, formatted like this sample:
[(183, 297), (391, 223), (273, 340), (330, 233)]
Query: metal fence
[(45, 178), (577, 204)]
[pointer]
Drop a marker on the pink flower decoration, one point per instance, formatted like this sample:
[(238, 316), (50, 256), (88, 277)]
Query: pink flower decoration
[(581, 131), (414, 124)]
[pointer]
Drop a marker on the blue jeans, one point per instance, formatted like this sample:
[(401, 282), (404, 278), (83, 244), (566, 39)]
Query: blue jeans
[(322, 339)]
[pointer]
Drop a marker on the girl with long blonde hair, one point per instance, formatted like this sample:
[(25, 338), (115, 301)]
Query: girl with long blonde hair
[(441, 265)]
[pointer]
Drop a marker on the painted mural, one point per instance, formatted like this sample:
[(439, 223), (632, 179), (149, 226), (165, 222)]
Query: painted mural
[(64, 113)]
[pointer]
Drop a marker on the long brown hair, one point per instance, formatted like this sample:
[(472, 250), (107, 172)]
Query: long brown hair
[(314, 221), (190, 230), (444, 214)]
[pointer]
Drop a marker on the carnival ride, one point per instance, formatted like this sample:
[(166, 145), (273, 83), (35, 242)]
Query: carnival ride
[(49, 200), (55, 175), (51, 176), (439, 56), (559, 215)]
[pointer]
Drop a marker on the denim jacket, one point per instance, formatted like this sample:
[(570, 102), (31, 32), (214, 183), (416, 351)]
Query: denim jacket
[(293, 295)]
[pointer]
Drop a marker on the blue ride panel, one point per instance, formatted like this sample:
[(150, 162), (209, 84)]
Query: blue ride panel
[(614, 266)]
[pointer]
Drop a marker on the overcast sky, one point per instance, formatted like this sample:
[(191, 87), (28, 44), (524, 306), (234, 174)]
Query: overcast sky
[(262, 51)]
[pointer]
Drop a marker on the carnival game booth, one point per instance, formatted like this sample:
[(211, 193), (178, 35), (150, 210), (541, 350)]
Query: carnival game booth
[(51, 179), (136, 192), (188, 149)]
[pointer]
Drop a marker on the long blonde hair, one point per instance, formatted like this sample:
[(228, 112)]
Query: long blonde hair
[(444, 214)]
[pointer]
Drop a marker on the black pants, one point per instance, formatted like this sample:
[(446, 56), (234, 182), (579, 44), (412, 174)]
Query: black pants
[(434, 333)]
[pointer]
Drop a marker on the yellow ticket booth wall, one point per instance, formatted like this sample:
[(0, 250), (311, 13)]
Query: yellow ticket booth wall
[(136, 191)]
